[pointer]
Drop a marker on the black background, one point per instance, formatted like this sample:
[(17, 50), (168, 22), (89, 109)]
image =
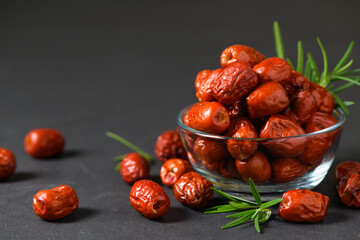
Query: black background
[(128, 67)]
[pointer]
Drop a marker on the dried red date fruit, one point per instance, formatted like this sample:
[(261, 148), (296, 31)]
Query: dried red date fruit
[(304, 105), (134, 167), (243, 149), (44, 142), (169, 145), (237, 109), (281, 126), (315, 148), (210, 117), (267, 99), (240, 52), (324, 100), (193, 190), (289, 113), (297, 83), (257, 168), (204, 92), (7, 163), (349, 189), (319, 121), (344, 168), (287, 169), (301, 205), (228, 169), (236, 81), (149, 198), (200, 78), (274, 70), (55, 203), (209, 152), (173, 169)]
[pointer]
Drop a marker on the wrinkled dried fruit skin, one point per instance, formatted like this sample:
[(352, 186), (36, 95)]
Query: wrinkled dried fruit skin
[(297, 83), (304, 106), (169, 145), (228, 169), (287, 169), (274, 70), (319, 121), (315, 148), (44, 142), (235, 82), (243, 149), (55, 203), (7, 163), (193, 190), (200, 78), (240, 52), (209, 152), (257, 168), (289, 113), (149, 198), (204, 92), (237, 109), (281, 126), (134, 167), (173, 169), (267, 99), (210, 117), (344, 168), (324, 100), (349, 189), (301, 205)]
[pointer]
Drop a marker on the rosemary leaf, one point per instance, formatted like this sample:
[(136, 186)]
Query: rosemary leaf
[(256, 223), (340, 102), (255, 214), (323, 80), (233, 198), (242, 205), (352, 72), (307, 70), (344, 68), (279, 45), (117, 168), (270, 203), (264, 216), (237, 221), (119, 158), (222, 209), (254, 192), (300, 58), (347, 103), (235, 215), (348, 79), (345, 57), (313, 66)]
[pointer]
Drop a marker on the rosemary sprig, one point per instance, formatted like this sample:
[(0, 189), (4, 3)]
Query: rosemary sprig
[(341, 71), (122, 140), (258, 212)]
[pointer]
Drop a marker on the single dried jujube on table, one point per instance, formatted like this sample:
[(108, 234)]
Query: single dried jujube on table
[(7, 163), (173, 169), (169, 145), (344, 168), (349, 189), (134, 167)]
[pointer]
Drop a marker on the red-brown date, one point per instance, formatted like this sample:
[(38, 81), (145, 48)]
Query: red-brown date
[(256, 167), (169, 145), (274, 70), (134, 167), (349, 189), (204, 92), (228, 169), (342, 169), (173, 169), (304, 105), (149, 198), (200, 78), (210, 117), (235, 82), (209, 152), (55, 203), (240, 52), (324, 100), (7, 163), (193, 190), (44, 142), (319, 121), (267, 99), (302, 205), (287, 169)]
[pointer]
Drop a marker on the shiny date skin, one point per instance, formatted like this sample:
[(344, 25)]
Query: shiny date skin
[(55, 203), (349, 189), (238, 108), (235, 82), (209, 153), (319, 121), (267, 99), (7, 163), (257, 168), (169, 145), (274, 70), (134, 167), (210, 117), (281, 126), (342, 169), (302, 205), (44, 143), (242, 149), (193, 190), (173, 169), (304, 105), (324, 100), (240, 52), (149, 198), (204, 91), (200, 79), (287, 169)]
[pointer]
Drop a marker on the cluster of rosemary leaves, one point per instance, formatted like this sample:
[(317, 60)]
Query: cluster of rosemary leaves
[(129, 145), (258, 212), (341, 71)]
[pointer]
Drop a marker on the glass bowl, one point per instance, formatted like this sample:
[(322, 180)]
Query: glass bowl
[(315, 152)]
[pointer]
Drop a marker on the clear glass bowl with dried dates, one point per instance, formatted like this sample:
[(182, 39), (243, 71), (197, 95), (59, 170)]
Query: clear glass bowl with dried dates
[(264, 119)]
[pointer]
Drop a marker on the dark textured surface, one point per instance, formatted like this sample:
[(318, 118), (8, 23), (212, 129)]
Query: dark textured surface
[(85, 68)]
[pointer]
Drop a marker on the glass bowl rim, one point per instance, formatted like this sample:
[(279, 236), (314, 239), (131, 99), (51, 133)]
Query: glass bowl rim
[(339, 112)]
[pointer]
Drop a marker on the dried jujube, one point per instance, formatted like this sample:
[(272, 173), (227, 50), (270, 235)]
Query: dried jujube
[(173, 169), (169, 145)]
